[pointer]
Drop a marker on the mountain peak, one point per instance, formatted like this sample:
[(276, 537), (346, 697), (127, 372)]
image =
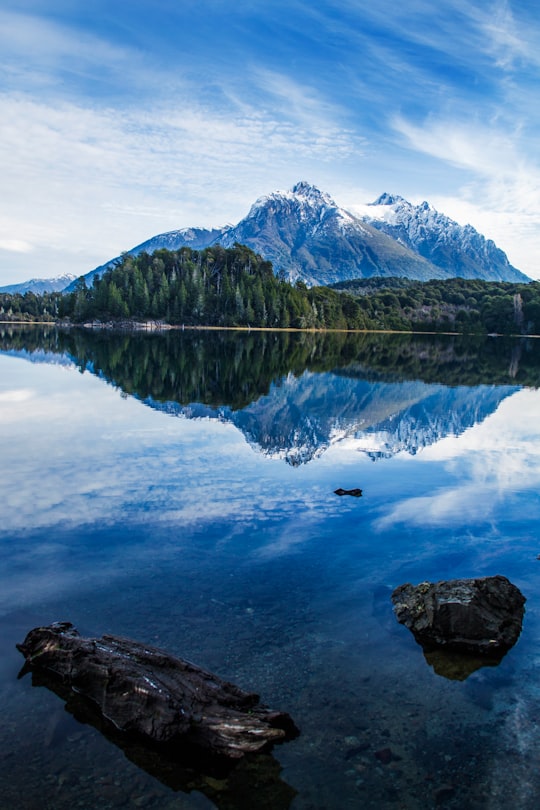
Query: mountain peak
[(458, 250), (306, 193), (388, 199), (305, 189), (312, 195)]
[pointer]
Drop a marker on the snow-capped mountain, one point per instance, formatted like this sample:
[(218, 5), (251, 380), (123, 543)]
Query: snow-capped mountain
[(305, 234), (460, 250), (40, 285), (292, 415), (302, 417)]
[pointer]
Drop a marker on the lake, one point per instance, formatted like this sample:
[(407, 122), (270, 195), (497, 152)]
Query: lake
[(177, 488)]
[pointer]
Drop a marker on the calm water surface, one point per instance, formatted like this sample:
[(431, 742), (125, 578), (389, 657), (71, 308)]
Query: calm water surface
[(178, 489)]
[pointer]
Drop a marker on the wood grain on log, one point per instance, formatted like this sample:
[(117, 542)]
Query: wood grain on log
[(144, 690)]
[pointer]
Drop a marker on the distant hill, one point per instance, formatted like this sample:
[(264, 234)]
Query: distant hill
[(307, 236), (40, 285)]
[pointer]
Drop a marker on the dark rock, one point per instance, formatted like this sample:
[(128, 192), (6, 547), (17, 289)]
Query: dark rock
[(356, 750), (481, 616), (384, 756), (356, 493), (145, 691), (443, 793)]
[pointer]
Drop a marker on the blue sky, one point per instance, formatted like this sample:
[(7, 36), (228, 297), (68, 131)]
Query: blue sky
[(123, 119)]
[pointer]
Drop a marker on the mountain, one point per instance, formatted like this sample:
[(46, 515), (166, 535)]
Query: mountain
[(295, 396), (40, 285), (303, 416), (307, 236), (304, 233), (459, 250)]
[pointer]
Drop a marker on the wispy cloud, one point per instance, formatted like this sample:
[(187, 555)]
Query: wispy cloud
[(117, 127), (53, 56), (506, 40), (154, 168)]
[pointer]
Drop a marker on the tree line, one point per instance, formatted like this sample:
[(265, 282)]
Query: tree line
[(211, 287), (465, 306), (236, 287)]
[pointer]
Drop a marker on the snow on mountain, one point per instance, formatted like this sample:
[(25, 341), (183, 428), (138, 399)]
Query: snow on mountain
[(302, 417), (460, 250), (40, 285), (306, 235)]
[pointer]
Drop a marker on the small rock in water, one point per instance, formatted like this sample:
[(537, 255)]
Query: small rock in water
[(384, 756), (443, 793), (482, 616)]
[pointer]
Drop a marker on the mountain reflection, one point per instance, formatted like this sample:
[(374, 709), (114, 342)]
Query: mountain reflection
[(295, 394)]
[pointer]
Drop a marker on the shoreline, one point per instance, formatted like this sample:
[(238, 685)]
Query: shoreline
[(152, 326)]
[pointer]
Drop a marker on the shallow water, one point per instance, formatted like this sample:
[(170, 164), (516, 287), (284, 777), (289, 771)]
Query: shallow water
[(179, 490)]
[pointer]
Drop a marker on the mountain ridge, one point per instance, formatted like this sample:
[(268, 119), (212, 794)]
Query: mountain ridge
[(440, 240), (38, 286), (309, 238)]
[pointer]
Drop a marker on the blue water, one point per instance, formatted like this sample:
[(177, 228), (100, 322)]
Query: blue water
[(211, 529)]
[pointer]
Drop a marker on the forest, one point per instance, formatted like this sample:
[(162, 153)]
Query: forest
[(237, 288)]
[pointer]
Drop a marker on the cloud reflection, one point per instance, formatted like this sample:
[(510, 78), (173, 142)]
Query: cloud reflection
[(490, 464)]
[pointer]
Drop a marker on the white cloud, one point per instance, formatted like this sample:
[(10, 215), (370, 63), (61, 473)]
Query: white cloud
[(505, 39), (40, 52), (16, 395), (15, 245), (495, 459), (94, 182), (108, 144)]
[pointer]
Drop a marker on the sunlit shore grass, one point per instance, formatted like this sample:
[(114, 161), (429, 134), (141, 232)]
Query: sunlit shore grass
[(158, 326)]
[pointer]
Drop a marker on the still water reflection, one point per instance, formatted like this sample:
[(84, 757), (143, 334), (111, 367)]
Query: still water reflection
[(178, 488)]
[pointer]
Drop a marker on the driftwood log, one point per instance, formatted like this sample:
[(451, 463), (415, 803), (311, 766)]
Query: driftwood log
[(253, 780), (145, 691)]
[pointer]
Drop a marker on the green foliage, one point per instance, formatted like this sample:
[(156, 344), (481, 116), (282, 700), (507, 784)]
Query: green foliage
[(212, 287), (237, 288), (452, 305), (222, 368), (30, 307)]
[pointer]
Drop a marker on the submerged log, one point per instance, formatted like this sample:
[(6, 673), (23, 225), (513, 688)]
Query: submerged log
[(482, 616), (144, 690), (253, 780)]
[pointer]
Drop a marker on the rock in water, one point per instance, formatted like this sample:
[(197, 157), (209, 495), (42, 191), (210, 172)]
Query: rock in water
[(146, 691), (482, 616)]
